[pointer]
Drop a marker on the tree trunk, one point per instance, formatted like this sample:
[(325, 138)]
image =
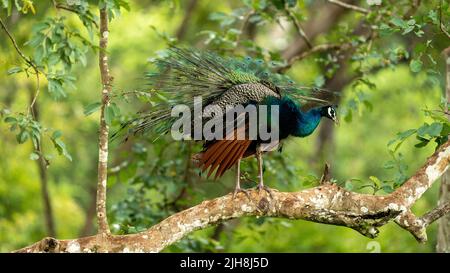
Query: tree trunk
[(43, 178), (443, 237)]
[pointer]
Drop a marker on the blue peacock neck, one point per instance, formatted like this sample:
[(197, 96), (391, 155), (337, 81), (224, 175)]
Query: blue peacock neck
[(307, 122), (293, 121)]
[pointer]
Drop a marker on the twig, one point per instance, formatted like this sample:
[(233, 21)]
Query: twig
[(28, 61), (441, 25), (244, 25), (326, 175), (349, 6), (182, 29), (60, 6), (417, 225), (436, 213), (299, 28), (106, 80), (315, 49)]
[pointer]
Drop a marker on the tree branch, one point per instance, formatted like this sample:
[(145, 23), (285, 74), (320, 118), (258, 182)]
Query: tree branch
[(349, 6), (182, 29), (441, 25), (28, 61), (326, 17), (106, 80), (314, 49), (443, 234), (63, 7), (299, 28), (327, 203)]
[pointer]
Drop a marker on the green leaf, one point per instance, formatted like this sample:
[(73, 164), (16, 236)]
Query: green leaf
[(400, 138), (91, 108), (115, 109), (34, 156), (10, 120), (14, 70), (399, 22), (56, 134), (319, 81), (415, 65), (109, 114), (55, 88), (389, 165), (61, 148), (22, 136), (422, 144), (348, 185), (387, 189), (435, 129), (376, 181)]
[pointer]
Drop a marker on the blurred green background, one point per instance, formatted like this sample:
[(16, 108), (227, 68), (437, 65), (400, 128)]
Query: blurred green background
[(146, 177)]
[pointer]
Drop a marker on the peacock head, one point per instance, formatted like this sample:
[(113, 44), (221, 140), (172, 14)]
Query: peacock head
[(329, 111)]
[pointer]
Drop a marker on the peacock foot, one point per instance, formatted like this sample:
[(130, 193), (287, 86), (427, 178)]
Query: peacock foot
[(238, 190), (261, 187)]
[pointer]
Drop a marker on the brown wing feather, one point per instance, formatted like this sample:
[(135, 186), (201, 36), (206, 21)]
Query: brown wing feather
[(243, 146), (209, 157), (229, 156), (222, 154)]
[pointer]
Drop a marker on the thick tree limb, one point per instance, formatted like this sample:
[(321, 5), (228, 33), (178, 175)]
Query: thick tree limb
[(443, 236), (327, 203)]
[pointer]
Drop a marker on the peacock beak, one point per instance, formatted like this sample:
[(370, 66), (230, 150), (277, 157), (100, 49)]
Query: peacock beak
[(336, 121)]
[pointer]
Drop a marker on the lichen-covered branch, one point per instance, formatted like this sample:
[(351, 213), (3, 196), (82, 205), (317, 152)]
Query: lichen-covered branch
[(327, 203), (443, 236), (106, 79)]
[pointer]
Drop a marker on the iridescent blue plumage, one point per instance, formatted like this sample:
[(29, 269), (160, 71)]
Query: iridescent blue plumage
[(293, 121)]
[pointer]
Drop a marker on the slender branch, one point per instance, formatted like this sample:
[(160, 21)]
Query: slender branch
[(182, 29), (349, 6), (42, 164), (106, 80), (417, 225), (436, 213), (25, 58), (28, 61), (60, 6), (444, 30), (299, 28), (441, 25), (314, 49), (327, 203), (244, 25)]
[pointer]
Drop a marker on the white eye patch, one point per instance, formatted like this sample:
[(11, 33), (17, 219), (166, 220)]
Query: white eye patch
[(331, 112)]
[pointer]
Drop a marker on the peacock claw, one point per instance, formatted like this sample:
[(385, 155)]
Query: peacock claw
[(238, 190), (261, 187)]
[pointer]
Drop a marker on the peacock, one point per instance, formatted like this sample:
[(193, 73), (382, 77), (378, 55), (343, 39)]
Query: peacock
[(223, 83)]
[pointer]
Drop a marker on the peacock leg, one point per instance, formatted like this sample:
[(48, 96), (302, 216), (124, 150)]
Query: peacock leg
[(261, 185), (237, 188)]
